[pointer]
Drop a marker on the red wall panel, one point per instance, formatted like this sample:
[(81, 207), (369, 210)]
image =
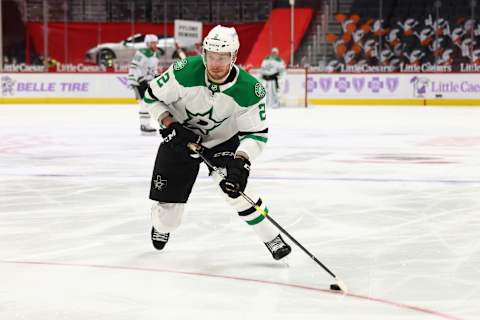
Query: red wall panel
[(278, 28), (83, 36)]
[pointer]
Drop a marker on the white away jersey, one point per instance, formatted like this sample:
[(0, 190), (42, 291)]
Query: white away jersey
[(271, 65), (144, 66), (216, 112)]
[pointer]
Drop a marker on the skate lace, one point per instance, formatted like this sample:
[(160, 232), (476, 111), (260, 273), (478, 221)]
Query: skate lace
[(157, 236), (275, 244)]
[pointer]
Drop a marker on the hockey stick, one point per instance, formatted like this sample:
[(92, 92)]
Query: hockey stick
[(340, 284)]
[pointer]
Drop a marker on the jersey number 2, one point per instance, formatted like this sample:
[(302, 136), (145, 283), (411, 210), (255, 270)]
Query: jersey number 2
[(262, 114), (163, 79)]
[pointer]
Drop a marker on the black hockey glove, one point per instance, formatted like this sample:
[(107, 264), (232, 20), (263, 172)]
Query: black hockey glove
[(177, 136), (238, 170)]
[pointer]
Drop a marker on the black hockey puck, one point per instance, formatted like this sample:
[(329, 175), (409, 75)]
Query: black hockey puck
[(335, 287)]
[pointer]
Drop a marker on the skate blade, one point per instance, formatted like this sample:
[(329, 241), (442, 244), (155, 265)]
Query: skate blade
[(285, 261), (146, 133)]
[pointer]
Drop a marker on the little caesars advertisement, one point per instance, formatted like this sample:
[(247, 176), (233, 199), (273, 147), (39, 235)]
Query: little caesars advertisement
[(393, 86)]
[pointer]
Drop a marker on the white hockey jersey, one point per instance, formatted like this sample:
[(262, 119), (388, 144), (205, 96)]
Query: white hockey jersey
[(271, 65), (144, 66), (216, 112)]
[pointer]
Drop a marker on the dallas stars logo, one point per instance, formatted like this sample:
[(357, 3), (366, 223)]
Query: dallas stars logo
[(159, 183), (259, 90), (202, 122), (180, 64)]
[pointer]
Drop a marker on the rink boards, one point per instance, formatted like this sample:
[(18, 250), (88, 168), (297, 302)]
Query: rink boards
[(459, 89), (454, 89), (66, 88)]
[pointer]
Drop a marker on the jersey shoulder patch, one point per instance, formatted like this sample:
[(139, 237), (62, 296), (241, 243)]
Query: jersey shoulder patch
[(259, 90), (179, 64), (247, 91), (190, 72)]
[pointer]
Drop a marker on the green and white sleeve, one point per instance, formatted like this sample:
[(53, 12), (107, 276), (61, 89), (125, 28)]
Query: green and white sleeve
[(136, 69), (161, 93), (253, 130)]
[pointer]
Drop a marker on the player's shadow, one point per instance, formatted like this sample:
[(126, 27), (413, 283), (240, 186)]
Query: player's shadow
[(156, 256)]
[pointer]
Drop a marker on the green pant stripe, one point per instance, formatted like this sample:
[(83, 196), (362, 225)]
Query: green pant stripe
[(256, 220)]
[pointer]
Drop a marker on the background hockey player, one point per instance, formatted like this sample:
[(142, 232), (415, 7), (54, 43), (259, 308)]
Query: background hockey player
[(209, 100), (143, 68), (272, 68)]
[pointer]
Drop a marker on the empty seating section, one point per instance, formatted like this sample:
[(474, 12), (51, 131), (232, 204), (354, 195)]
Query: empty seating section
[(213, 11)]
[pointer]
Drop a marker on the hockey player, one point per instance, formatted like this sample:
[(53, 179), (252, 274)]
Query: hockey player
[(207, 99), (272, 68), (143, 68)]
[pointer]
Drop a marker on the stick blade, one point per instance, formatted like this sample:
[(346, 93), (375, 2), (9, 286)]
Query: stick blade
[(342, 285)]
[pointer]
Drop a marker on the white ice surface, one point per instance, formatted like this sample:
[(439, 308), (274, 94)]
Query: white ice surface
[(387, 197)]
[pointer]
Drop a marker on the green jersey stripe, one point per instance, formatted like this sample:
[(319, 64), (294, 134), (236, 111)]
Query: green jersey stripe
[(148, 100), (255, 137)]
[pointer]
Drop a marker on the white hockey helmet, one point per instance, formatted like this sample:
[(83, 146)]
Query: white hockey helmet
[(150, 38), (222, 39)]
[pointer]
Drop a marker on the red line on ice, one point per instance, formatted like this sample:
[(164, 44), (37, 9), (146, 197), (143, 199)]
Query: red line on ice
[(350, 295)]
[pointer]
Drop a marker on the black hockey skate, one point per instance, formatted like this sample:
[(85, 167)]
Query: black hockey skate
[(278, 248), (159, 240)]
